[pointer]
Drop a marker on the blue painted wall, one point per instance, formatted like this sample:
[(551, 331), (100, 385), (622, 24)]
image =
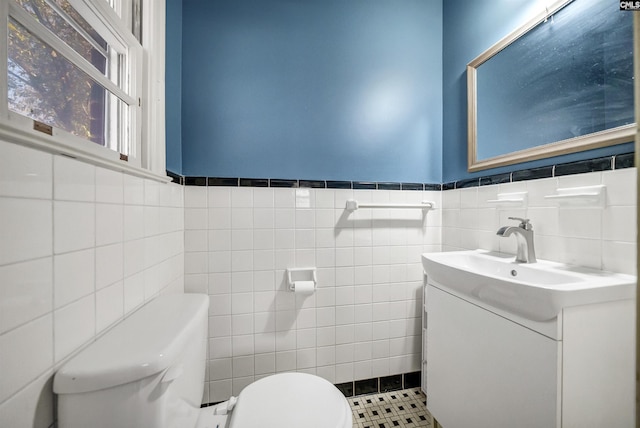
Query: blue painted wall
[(357, 90), (316, 89), (471, 27), (173, 86)]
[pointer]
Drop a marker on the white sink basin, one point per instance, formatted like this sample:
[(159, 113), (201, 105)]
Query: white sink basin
[(536, 291)]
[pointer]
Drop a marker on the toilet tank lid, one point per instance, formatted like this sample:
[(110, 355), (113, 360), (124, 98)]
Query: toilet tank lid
[(145, 343)]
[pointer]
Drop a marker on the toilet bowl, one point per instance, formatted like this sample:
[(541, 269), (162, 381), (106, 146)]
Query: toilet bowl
[(148, 372), (285, 400)]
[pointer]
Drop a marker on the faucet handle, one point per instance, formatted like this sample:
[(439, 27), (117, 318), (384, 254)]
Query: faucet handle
[(524, 222)]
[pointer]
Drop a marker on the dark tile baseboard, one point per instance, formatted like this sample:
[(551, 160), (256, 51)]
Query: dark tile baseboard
[(372, 386), (391, 383), (380, 384)]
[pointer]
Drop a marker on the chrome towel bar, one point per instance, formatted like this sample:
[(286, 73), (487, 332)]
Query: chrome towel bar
[(353, 205)]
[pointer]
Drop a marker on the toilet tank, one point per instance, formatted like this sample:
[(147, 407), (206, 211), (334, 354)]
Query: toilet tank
[(148, 371)]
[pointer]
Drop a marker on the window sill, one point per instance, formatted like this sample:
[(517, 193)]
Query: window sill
[(94, 155)]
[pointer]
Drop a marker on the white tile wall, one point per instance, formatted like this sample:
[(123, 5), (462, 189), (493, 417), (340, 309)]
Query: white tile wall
[(363, 320), (25, 292), (80, 248), (26, 229), (601, 238), (238, 243)]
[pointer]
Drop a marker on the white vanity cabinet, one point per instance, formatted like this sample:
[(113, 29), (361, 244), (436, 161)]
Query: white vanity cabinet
[(488, 368)]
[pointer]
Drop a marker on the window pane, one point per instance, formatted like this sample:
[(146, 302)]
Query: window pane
[(136, 19), (43, 85), (69, 10), (64, 21), (113, 4)]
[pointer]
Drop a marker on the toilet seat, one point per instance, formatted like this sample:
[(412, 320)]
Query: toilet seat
[(291, 400)]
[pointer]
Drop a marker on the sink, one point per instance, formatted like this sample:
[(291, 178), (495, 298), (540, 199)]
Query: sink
[(536, 291)]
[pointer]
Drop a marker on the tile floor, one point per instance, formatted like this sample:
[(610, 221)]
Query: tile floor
[(404, 408)]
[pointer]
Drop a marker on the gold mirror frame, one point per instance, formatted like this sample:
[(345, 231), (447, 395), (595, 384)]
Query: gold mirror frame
[(609, 137)]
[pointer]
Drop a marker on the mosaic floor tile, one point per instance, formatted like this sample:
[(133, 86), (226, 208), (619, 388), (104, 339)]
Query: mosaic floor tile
[(406, 408)]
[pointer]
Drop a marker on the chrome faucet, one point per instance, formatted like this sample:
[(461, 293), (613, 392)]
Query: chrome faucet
[(524, 238)]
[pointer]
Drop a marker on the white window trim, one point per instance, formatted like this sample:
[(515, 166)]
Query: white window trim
[(147, 158), (153, 98)]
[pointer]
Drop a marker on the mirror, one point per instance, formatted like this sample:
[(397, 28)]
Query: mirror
[(562, 83)]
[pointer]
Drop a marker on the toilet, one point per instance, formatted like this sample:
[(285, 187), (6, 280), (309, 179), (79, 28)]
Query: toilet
[(148, 372)]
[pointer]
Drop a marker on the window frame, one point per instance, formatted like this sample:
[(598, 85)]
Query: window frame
[(145, 93)]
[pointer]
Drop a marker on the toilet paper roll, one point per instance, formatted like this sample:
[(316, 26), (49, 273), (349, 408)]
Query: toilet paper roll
[(304, 288)]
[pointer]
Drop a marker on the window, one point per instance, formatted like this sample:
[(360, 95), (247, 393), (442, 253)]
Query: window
[(74, 69), (130, 11)]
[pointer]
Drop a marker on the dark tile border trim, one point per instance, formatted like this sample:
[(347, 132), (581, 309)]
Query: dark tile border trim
[(470, 182), (346, 388), (254, 182), (581, 167), (365, 185), (532, 174), (608, 163), (276, 182), (380, 384), (412, 186), (217, 181), (175, 178), (449, 186), (412, 380), (390, 383), (373, 385), (313, 184), (195, 181), (389, 186), (366, 386), (496, 179), (339, 184), (626, 160)]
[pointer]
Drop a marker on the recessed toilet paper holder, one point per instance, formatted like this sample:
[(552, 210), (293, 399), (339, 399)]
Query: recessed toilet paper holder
[(301, 274)]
